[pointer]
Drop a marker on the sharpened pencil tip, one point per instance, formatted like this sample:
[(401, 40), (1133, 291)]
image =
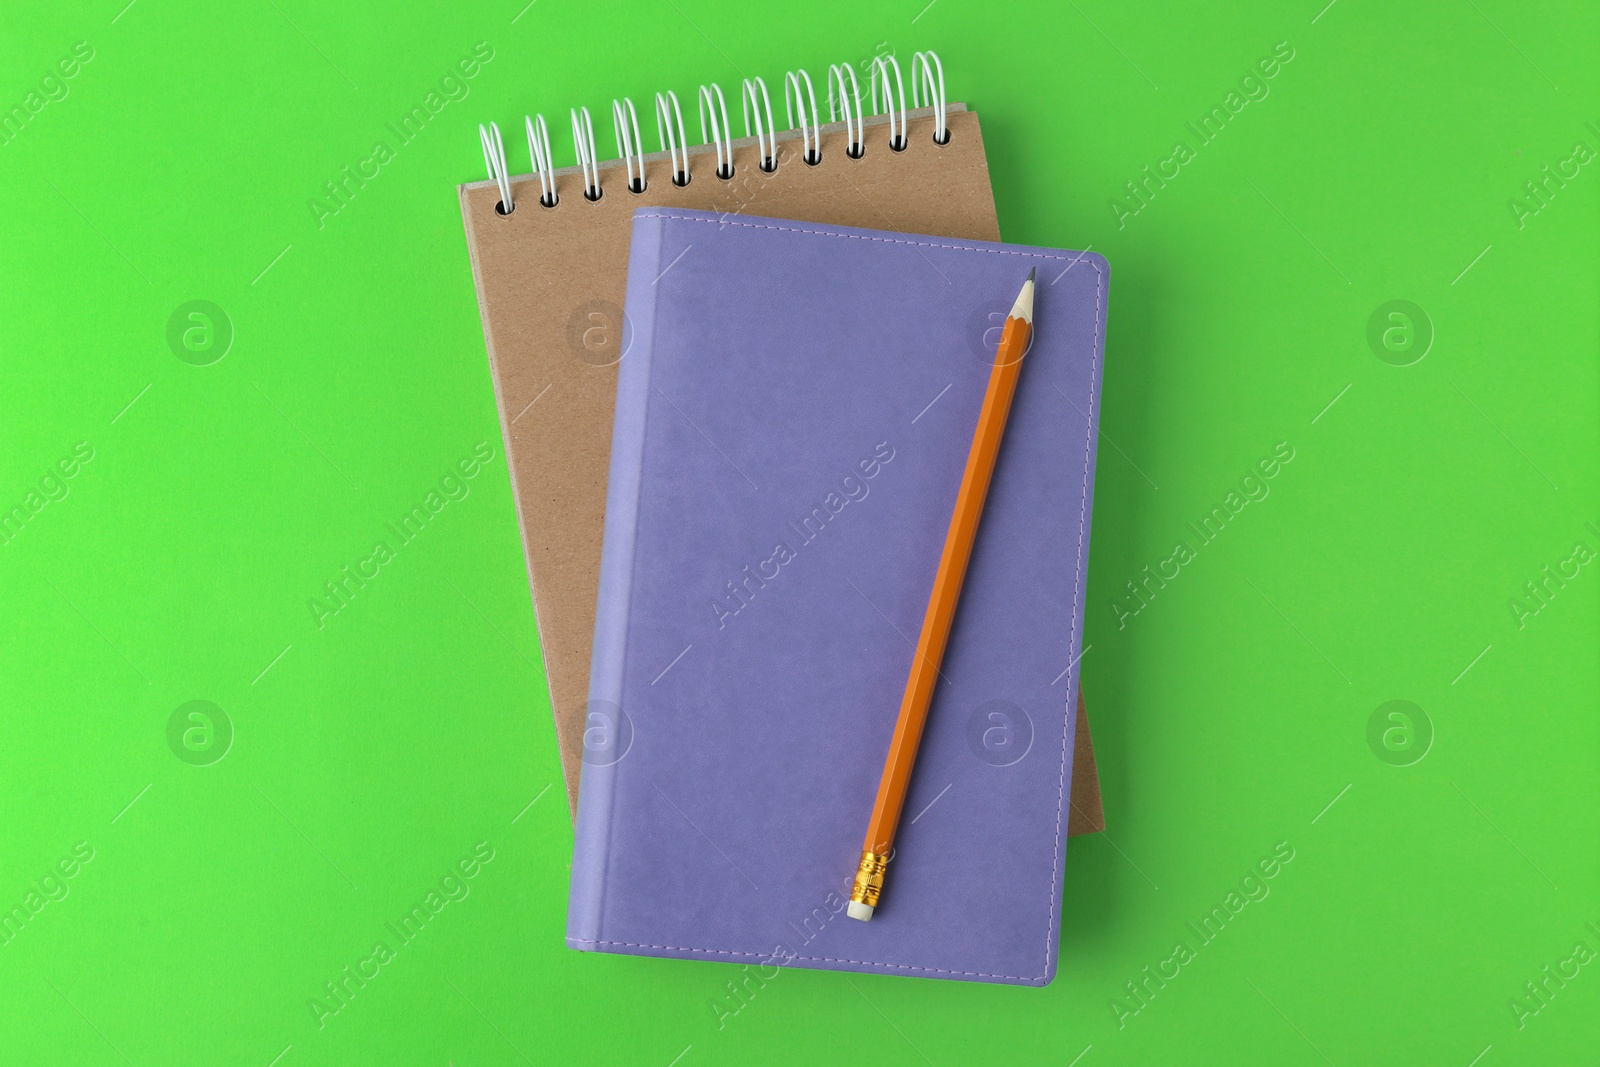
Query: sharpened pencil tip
[(1023, 307)]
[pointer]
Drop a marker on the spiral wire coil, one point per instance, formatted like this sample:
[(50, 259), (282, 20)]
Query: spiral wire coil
[(801, 111)]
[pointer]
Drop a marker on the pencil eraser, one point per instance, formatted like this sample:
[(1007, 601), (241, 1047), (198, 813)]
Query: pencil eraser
[(858, 910)]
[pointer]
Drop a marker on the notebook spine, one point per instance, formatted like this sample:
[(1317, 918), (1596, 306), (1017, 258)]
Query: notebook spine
[(801, 112), (607, 722)]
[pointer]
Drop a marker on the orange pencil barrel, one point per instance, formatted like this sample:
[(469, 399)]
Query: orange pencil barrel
[(936, 623)]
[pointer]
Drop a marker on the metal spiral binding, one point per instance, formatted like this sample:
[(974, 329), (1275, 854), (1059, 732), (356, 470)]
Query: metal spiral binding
[(810, 133), (721, 132), (674, 142), (842, 104), (766, 136), (583, 140), (897, 132), (494, 156), (932, 81), (799, 95), (539, 149), (630, 149)]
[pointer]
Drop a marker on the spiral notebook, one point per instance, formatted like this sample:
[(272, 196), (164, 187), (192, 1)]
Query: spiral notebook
[(549, 254), (783, 464)]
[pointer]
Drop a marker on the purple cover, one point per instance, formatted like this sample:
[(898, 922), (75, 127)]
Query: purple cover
[(795, 408)]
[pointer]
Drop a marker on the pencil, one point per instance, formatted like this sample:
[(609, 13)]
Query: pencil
[(958, 540)]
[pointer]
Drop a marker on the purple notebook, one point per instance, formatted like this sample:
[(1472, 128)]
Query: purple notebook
[(793, 417)]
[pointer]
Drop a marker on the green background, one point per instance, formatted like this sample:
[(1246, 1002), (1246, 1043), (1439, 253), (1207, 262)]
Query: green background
[(1230, 714)]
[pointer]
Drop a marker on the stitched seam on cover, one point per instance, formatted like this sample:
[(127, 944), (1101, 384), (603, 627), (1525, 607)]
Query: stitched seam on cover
[(1077, 588), (1077, 604), (956, 243), (633, 569), (811, 959)]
